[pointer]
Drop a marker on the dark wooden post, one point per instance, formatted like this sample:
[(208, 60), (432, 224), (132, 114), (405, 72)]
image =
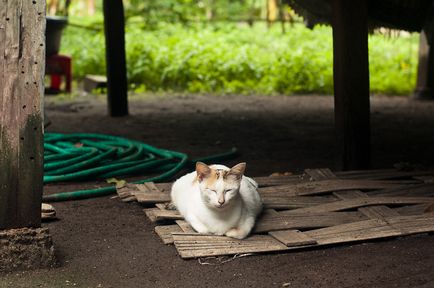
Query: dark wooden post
[(351, 82), (22, 58), (115, 57), (425, 71)]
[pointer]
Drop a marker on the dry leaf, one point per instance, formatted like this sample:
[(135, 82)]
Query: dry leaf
[(119, 183)]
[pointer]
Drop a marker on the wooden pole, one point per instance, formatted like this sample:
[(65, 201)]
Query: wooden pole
[(115, 57), (351, 82), (425, 71), (22, 63)]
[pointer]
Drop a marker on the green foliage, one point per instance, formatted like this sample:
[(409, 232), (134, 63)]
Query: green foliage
[(240, 59), (152, 12), (393, 64), (87, 49)]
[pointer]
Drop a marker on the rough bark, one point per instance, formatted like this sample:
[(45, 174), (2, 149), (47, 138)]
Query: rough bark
[(22, 50)]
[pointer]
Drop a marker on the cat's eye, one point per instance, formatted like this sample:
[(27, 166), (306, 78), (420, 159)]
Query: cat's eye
[(212, 190), (228, 190)]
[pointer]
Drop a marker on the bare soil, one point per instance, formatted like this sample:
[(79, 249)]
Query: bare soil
[(103, 242)]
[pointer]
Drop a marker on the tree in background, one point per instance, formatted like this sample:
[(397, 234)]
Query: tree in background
[(152, 13), (81, 7), (172, 11), (58, 7)]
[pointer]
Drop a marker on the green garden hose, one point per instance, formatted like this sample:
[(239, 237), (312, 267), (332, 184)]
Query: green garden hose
[(82, 156)]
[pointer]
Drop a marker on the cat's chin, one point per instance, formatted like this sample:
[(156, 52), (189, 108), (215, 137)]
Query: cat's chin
[(219, 207)]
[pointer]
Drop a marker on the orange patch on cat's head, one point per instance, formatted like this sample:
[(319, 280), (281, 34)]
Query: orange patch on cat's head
[(211, 179), (208, 174), (214, 176)]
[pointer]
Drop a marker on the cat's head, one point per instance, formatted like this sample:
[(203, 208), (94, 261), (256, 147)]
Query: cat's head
[(219, 187)]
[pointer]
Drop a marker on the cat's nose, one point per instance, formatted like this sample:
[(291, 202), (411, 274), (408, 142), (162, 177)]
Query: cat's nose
[(221, 201)]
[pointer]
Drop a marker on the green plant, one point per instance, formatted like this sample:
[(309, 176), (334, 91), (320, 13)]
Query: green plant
[(237, 58)]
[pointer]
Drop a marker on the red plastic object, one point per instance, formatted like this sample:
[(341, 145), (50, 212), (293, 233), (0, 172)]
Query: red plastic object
[(58, 66)]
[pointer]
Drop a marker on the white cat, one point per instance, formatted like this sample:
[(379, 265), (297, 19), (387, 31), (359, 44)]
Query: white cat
[(218, 200)]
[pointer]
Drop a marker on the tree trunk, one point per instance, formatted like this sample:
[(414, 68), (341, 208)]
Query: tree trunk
[(115, 57), (22, 50), (425, 72), (351, 83)]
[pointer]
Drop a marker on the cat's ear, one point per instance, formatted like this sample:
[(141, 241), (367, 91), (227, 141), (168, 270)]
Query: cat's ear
[(238, 170), (202, 170)]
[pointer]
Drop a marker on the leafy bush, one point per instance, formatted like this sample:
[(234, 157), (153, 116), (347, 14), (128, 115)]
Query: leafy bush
[(231, 58), (152, 12)]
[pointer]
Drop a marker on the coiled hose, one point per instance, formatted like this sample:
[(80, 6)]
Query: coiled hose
[(83, 156)]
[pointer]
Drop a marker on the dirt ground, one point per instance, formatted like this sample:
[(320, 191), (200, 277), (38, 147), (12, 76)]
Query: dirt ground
[(105, 243)]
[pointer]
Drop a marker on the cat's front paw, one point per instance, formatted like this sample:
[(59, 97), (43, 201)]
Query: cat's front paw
[(237, 233), (199, 227)]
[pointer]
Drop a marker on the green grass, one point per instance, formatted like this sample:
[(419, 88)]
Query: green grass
[(241, 59)]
